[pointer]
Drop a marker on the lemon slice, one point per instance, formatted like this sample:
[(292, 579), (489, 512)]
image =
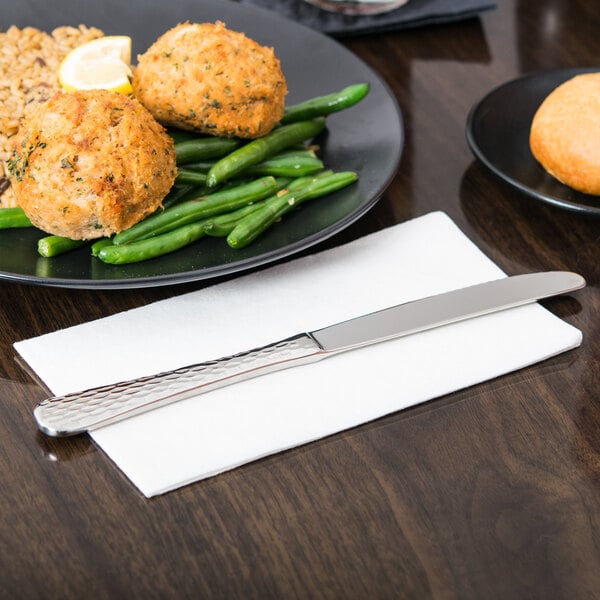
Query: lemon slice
[(103, 63)]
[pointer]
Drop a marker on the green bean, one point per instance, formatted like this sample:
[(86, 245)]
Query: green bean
[(189, 177), (99, 244), (152, 247), (261, 148), (293, 157), (53, 245), (283, 165), (200, 166), (325, 105), (179, 135), (200, 208), (203, 148), (289, 165), (13, 217), (250, 227), (221, 225), (177, 193)]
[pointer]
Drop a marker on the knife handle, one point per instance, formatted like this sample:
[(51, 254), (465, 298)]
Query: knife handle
[(78, 412)]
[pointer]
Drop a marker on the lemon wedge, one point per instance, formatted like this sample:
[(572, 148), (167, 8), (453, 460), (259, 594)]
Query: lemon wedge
[(103, 63)]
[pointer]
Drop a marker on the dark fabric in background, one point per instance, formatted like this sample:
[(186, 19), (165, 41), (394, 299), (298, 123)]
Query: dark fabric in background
[(414, 14)]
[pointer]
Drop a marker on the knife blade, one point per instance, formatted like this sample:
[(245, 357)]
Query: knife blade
[(78, 412)]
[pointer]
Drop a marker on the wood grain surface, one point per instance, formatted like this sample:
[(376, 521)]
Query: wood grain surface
[(489, 493)]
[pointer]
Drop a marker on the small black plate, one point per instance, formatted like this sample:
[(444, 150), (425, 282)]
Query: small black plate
[(367, 138), (498, 135)]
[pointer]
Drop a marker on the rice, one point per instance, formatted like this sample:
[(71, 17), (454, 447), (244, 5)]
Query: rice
[(29, 64)]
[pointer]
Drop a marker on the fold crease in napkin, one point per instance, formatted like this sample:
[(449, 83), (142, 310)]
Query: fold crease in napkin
[(200, 437), (416, 13)]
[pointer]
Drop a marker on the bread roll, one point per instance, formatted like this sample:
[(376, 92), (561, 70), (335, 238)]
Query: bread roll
[(565, 133)]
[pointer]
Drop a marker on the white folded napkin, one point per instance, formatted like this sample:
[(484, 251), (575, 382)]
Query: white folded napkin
[(197, 438)]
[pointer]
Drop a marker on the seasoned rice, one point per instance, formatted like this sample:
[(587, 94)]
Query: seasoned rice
[(28, 65)]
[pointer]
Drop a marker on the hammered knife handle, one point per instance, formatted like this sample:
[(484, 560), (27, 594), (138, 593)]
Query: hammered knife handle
[(78, 412)]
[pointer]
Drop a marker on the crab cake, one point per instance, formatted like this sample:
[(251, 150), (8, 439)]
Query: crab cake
[(91, 163), (207, 78)]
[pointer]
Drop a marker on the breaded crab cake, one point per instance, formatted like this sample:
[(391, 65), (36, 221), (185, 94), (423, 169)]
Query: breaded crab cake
[(91, 163), (207, 78)]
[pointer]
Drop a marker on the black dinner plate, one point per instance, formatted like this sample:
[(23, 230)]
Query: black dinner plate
[(498, 135), (367, 138)]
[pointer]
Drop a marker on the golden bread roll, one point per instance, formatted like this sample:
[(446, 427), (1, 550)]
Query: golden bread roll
[(565, 133)]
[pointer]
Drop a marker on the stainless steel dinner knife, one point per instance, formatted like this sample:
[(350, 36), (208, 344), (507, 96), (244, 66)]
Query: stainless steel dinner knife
[(88, 410)]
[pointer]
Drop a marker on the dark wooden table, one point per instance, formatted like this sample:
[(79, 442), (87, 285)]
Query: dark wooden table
[(492, 492)]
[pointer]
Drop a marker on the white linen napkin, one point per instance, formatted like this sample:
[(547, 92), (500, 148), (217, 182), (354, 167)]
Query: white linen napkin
[(200, 437)]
